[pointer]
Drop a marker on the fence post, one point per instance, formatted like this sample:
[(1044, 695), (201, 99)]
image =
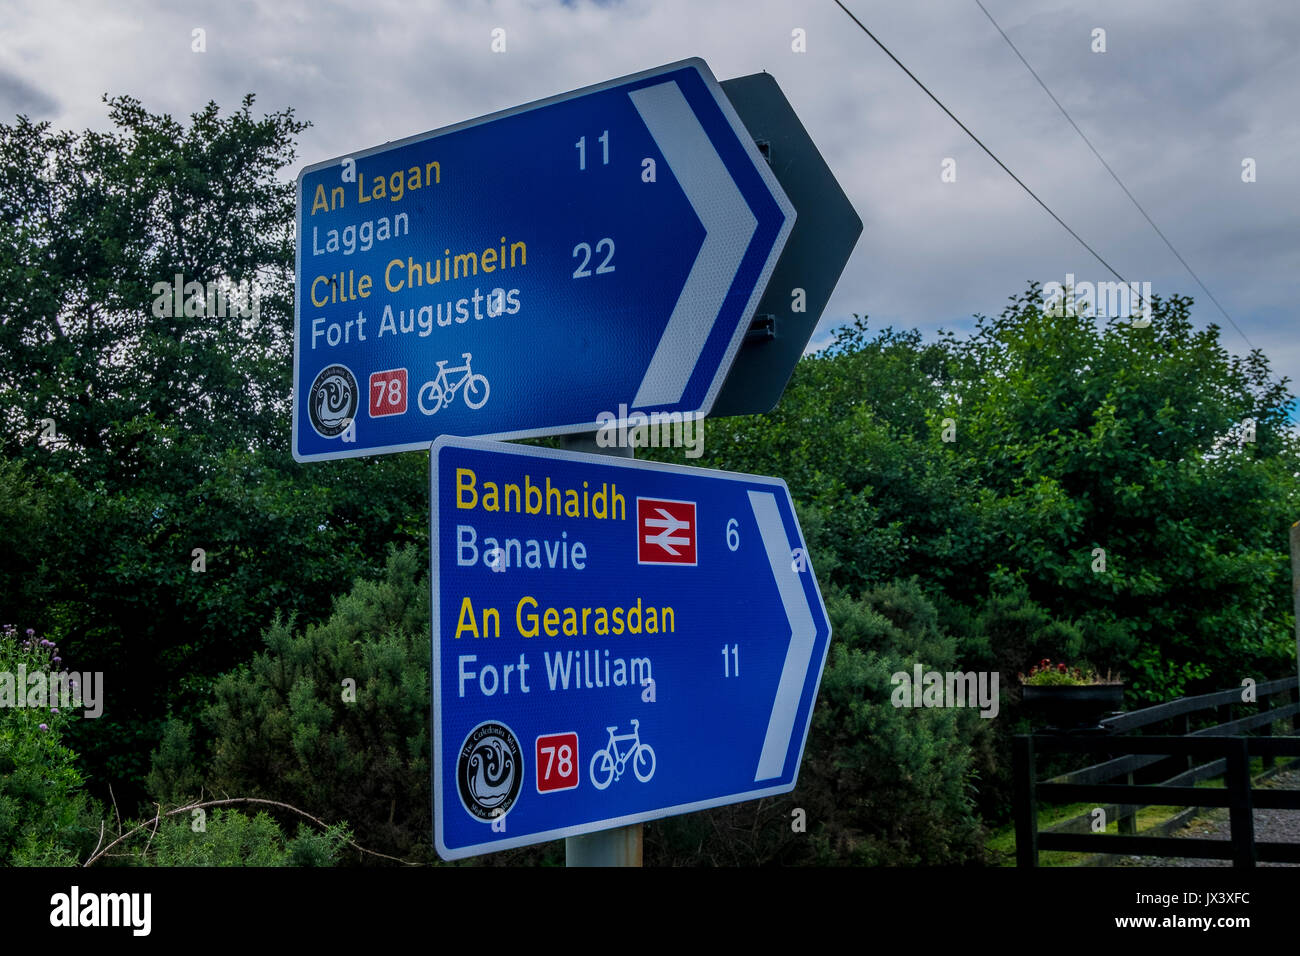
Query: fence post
[(1024, 800), (1267, 731), (1241, 814), (1128, 814), (1295, 596)]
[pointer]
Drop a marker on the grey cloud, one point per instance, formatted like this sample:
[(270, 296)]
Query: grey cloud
[(17, 96)]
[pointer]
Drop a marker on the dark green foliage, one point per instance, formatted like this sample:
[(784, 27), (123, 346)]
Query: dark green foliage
[(1007, 629), (280, 726), (26, 557), (886, 785), (174, 777), (46, 818), (231, 838), (1068, 436), (172, 430), (100, 218), (1132, 440)]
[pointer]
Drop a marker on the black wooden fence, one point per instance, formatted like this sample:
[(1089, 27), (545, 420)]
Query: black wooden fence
[(1223, 749)]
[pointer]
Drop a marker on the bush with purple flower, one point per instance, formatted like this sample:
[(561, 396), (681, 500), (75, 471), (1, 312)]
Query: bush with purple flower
[(46, 817)]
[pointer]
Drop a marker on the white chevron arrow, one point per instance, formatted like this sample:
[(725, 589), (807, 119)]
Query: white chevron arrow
[(729, 226), (803, 634)]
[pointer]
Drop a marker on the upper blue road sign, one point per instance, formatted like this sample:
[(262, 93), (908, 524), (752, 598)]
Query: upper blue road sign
[(523, 273), (613, 641)]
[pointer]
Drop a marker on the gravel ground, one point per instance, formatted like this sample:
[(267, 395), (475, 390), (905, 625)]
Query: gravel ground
[(1271, 826)]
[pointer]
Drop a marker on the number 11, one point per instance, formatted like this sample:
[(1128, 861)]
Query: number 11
[(730, 660), (581, 147)]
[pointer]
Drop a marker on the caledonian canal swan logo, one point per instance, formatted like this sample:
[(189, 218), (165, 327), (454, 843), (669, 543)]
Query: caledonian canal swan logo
[(490, 771), (333, 400)]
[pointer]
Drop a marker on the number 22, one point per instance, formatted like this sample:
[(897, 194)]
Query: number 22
[(582, 271)]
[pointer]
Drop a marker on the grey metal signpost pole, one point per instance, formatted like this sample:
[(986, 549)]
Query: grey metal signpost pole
[(620, 846)]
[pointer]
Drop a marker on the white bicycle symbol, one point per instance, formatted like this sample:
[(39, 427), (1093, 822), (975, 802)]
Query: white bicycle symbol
[(608, 765), (442, 390)]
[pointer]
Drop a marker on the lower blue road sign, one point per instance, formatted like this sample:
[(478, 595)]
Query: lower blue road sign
[(613, 641)]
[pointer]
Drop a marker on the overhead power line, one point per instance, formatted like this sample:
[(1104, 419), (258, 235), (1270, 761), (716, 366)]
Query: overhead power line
[(1114, 175), (1096, 255), (1109, 268)]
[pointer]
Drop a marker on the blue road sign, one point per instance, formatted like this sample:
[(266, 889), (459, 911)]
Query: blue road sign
[(520, 274), (613, 641)]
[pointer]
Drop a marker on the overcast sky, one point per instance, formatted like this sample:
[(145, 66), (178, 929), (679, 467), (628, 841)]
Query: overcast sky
[(1184, 92)]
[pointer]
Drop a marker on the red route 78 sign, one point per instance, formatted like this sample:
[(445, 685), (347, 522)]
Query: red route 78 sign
[(388, 392), (557, 762), (665, 531)]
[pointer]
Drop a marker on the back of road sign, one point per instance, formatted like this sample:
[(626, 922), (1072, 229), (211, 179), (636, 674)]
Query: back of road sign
[(825, 232), (613, 641)]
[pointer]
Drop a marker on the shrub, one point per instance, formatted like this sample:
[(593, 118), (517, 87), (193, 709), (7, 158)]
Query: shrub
[(46, 817), (231, 838), (281, 728), (886, 785)]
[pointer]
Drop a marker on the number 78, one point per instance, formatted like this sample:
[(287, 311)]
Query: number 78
[(394, 388), (565, 762)]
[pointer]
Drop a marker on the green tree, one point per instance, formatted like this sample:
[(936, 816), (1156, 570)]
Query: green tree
[(27, 562), (1022, 453), (1135, 441), (172, 430)]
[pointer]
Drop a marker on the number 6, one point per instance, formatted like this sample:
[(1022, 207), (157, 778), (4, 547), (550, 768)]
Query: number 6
[(733, 535)]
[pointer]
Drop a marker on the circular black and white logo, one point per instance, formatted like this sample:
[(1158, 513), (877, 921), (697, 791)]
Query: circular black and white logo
[(490, 771), (332, 401)]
